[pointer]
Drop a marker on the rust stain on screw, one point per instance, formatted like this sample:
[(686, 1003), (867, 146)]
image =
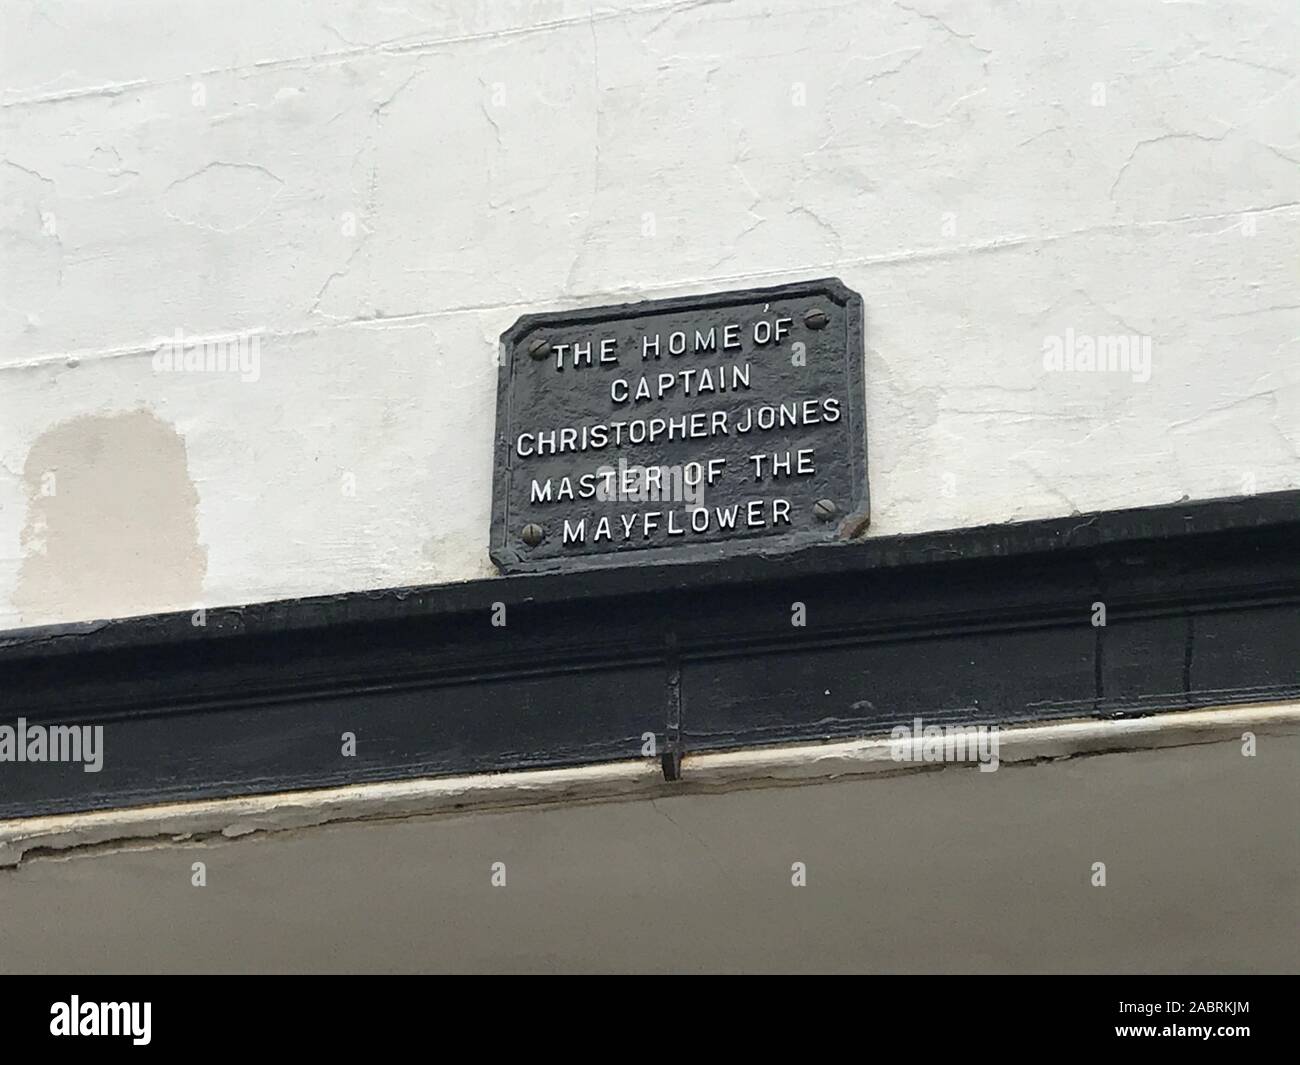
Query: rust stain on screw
[(533, 534), (816, 318), (539, 348), (825, 509)]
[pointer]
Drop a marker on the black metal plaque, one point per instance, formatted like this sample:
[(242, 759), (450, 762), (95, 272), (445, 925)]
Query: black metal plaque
[(681, 429)]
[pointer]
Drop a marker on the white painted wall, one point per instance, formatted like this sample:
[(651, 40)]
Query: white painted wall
[(378, 191)]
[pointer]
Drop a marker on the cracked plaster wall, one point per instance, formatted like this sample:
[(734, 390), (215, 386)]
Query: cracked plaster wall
[(376, 191)]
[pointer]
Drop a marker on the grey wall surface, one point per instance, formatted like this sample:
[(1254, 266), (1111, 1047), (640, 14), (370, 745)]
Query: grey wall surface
[(954, 870)]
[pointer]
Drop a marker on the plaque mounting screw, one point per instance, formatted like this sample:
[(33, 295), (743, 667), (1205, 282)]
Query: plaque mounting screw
[(533, 534), (539, 349), (816, 318), (825, 509)]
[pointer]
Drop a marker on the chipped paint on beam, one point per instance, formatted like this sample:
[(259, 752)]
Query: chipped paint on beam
[(198, 822)]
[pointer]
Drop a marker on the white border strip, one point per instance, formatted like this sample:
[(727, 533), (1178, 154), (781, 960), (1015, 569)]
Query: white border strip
[(457, 796)]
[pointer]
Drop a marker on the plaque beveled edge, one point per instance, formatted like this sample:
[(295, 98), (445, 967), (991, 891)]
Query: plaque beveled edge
[(508, 559)]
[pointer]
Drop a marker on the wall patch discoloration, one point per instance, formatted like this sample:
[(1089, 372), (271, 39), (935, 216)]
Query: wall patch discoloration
[(111, 524)]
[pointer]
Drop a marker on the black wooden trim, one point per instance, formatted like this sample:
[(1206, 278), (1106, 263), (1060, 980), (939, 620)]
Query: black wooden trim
[(992, 624)]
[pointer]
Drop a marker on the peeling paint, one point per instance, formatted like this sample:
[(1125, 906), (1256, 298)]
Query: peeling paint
[(204, 821), (222, 197)]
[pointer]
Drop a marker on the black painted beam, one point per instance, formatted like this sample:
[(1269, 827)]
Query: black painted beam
[(985, 625)]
